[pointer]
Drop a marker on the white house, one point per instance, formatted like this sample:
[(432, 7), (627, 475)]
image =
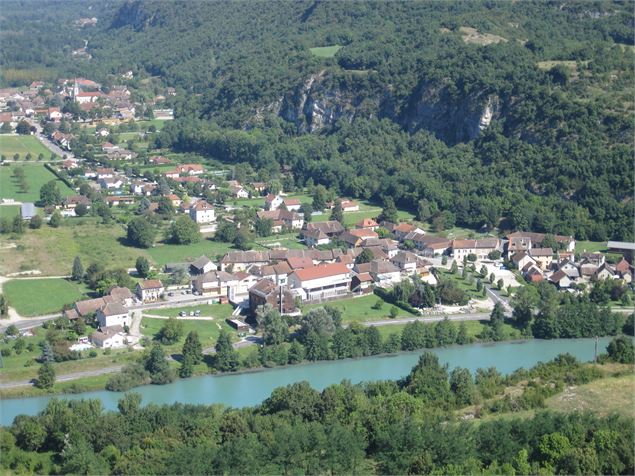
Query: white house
[(321, 282), (272, 202), (480, 248), (202, 212), (113, 314), (109, 337), (149, 290), (292, 204), (215, 284)]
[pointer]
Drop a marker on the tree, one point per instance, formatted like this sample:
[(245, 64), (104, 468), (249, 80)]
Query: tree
[(171, 331), (494, 255), (319, 198), (226, 358), (462, 386), (23, 128), (366, 256), (263, 226), (621, 350), (77, 274), (523, 303), (81, 210), (143, 266), (496, 321), (45, 376), (428, 380), (499, 284), (50, 194), (35, 222), (454, 268), (275, 329), (141, 233), (165, 207), (56, 219), (192, 354), (4, 306), (18, 225), (317, 321), (157, 366), (394, 312), (6, 128), (226, 232), (306, 209), (337, 213), (389, 212)]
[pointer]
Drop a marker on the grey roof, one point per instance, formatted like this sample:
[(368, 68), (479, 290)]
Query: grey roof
[(621, 245), (201, 262), (27, 210)]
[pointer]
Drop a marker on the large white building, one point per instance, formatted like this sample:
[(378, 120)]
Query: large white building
[(202, 212), (321, 282)]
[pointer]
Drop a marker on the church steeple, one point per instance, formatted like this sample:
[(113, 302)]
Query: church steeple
[(75, 89)]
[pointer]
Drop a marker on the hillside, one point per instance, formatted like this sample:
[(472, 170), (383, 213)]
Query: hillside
[(477, 113)]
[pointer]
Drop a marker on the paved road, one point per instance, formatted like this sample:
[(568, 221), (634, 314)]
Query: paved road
[(47, 143), (66, 377)]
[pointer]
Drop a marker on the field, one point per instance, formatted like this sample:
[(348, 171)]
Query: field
[(462, 283), (9, 211), (11, 145), (220, 311), (34, 297), (590, 246), (605, 396), (289, 241), (36, 176), (325, 51), (168, 253), (360, 309), (208, 331), (52, 250)]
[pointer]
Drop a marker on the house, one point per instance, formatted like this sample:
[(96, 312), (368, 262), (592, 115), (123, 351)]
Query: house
[(159, 160), (349, 206), (201, 266), (543, 257), (149, 290), (105, 172), (259, 186), (624, 270), (54, 114), (431, 245), (518, 244), (202, 212), (239, 294), (110, 183), (122, 295), (273, 202), (69, 164), (368, 224), (402, 229), (321, 282), (560, 279), (570, 269), (102, 132), (520, 259), (215, 284), (297, 262), (362, 283), (331, 228), (354, 238), (603, 272), (267, 292), (479, 248), (190, 169), (282, 219), (588, 269), (315, 237), (627, 249), (384, 272), (113, 314), (121, 154), (598, 259), (567, 243), (388, 246), (108, 147), (72, 201), (292, 204), (238, 191), (534, 274), (409, 263), (109, 337), (27, 210)]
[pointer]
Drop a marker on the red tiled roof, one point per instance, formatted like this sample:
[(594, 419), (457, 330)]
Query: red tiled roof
[(150, 284), (321, 271)]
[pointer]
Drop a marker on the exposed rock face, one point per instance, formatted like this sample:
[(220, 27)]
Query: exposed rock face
[(452, 119), (322, 100)]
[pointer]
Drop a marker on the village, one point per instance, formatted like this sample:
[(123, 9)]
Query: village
[(322, 257)]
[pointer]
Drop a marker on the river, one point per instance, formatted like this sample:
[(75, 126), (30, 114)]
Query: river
[(251, 388)]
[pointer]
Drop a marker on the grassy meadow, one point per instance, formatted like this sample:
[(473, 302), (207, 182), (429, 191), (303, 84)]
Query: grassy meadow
[(34, 297), (22, 145), (36, 175)]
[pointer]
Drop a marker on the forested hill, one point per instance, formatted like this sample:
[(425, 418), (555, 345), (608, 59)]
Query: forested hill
[(480, 110)]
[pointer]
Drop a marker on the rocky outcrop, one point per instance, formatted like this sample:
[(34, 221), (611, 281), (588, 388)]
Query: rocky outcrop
[(325, 98), (451, 118)]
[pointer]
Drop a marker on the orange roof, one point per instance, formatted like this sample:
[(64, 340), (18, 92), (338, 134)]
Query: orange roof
[(367, 222), (361, 233), (321, 271), (150, 284), (404, 227), (292, 201)]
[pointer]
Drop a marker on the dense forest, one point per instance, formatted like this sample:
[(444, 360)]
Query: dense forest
[(487, 114), (406, 427)]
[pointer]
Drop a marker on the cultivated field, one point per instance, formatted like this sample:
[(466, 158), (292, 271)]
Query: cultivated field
[(34, 297), (168, 253), (11, 145), (36, 175)]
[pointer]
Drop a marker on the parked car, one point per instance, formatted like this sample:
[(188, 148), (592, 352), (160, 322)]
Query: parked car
[(182, 314), (197, 313), (191, 313)]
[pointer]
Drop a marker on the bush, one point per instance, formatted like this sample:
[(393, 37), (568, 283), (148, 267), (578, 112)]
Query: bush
[(394, 312), (92, 354), (6, 352), (131, 375)]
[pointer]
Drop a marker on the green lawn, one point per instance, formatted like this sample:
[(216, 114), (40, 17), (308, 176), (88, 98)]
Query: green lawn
[(590, 246), (208, 331), (52, 250), (11, 145), (220, 311), (9, 211), (462, 283), (36, 176), (289, 241), (168, 253), (325, 51), (34, 297), (360, 309)]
